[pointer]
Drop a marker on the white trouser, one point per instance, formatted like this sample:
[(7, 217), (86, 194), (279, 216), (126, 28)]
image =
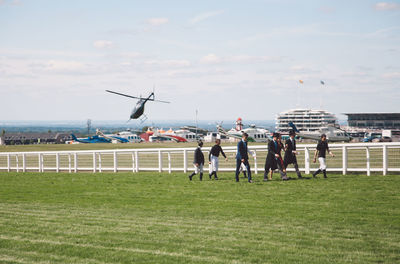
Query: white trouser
[(198, 169), (214, 163), (243, 167), (322, 163)]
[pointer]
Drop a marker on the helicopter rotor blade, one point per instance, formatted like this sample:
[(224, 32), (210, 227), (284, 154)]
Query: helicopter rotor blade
[(159, 101), (130, 96)]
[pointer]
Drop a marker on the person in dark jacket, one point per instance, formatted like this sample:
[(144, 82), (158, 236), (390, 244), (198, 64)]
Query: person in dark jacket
[(243, 157), (274, 159), (198, 161), (213, 158), (290, 153), (321, 150)]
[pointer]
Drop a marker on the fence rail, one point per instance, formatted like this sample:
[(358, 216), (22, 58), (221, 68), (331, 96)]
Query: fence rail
[(349, 157)]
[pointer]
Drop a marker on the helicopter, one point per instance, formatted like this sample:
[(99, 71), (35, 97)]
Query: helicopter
[(138, 110), (332, 133)]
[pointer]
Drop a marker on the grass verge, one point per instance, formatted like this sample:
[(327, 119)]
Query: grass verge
[(164, 218)]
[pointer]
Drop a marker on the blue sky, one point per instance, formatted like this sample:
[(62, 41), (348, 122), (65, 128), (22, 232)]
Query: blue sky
[(225, 58)]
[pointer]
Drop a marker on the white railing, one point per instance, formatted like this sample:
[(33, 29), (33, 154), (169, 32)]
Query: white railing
[(349, 157)]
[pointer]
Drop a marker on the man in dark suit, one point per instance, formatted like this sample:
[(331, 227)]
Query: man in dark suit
[(198, 161), (274, 160), (243, 157), (290, 153)]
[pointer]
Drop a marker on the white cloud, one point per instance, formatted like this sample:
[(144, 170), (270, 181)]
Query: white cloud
[(327, 10), (252, 59), (131, 54), (103, 44), (205, 16), (211, 59), (214, 59), (391, 75), (169, 63), (386, 6), (198, 73), (10, 2), (297, 68), (16, 2), (157, 21), (64, 66)]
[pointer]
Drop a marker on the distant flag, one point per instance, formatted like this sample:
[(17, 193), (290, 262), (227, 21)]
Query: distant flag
[(301, 81), (322, 82)]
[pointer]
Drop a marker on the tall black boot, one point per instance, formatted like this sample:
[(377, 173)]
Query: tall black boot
[(265, 175), (215, 175), (244, 174), (297, 171), (324, 171), (315, 173), (210, 175), (201, 176), (191, 175)]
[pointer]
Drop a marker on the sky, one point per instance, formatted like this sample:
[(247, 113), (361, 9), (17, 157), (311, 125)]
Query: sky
[(225, 58)]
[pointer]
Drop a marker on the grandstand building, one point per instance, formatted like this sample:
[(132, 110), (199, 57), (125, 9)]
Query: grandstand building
[(374, 120), (305, 120)]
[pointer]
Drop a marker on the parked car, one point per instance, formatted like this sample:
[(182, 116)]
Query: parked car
[(385, 139)]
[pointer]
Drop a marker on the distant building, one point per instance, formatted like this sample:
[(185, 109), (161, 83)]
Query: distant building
[(305, 120), (374, 120), (33, 138)]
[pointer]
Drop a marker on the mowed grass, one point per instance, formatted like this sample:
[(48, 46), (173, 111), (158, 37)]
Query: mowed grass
[(165, 218)]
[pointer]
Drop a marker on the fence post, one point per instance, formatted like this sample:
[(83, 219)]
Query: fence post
[(99, 154), (209, 164), (385, 159), (69, 163), (8, 163), (344, 159), (169, 162), (133, 162), (159, 161), (57, 162), (137, 161), (75, 162), (17, 162), (184, 161), (255, 162), (24, 162), (368, 162), (40, 162), (115, 161), (94, 162), (307, 160)]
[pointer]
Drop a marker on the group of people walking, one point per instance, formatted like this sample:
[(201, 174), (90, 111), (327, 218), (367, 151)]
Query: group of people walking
[(273, 161)]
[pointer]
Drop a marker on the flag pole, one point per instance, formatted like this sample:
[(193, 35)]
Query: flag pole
[(320, 94)]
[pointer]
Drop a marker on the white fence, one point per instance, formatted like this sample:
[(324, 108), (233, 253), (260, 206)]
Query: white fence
[(349, 157)]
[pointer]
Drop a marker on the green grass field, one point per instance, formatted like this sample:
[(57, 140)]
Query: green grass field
[(164, 218)]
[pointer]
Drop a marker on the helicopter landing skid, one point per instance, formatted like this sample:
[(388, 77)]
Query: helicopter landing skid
[(143, 118)]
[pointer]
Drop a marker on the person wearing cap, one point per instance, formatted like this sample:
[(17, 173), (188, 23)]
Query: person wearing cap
[(321, 150), (290, 153), (274, 159), (243, 157), (213, 158), (198, 161)]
